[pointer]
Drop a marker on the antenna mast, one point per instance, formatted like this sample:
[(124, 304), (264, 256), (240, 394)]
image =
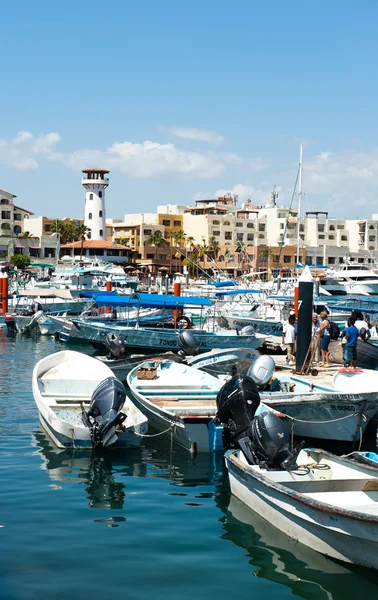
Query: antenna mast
[(299, 199)]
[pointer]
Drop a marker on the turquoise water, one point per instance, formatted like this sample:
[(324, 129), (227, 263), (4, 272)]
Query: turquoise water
[(136, 525)]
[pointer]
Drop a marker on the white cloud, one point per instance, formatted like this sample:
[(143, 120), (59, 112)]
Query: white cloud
[(192, 133), (22, 151)]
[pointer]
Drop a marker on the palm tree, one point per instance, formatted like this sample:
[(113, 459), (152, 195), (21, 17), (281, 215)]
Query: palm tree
[(267, 253), (80, 233), (157, 240), (214, 246)]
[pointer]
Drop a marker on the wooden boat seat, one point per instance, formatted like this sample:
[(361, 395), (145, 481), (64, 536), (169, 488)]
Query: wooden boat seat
[(333, 485), (179, 402)]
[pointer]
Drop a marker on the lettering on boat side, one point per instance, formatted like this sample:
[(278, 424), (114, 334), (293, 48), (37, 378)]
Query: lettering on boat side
[(344, 407), (168, 343)]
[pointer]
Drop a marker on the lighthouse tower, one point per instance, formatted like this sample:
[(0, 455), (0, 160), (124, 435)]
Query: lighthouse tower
[(95, 182)]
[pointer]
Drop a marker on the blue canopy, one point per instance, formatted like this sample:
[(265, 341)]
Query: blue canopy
[(148, 300)]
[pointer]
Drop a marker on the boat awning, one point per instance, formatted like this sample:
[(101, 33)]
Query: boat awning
[(48, 293), (147, 300), (39, 264), (236, 292)]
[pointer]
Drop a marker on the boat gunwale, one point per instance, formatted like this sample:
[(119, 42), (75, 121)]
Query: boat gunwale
[(231, 456)]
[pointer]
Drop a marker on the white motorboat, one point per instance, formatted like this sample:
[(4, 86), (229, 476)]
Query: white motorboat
[(179, 402), (82, 405), (327, 503)]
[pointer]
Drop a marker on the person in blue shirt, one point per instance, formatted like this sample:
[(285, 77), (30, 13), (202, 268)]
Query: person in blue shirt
[(351, 334)]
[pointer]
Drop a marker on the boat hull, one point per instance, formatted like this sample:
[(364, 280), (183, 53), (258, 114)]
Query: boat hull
[(315, 525)]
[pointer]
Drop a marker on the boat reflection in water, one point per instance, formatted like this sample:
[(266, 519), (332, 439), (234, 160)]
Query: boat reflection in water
[(281, 559), (198, 482)]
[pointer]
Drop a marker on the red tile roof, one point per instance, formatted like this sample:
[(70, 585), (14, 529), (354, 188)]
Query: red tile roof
[(103, 244)]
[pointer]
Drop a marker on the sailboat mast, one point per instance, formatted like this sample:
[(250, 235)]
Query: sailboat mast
[(299, 199)]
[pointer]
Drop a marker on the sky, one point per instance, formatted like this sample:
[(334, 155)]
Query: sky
[(184, 101)]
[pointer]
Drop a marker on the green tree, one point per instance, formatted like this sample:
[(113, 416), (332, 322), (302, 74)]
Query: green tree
[(214, 246), (20, 261), (157, 240), (80, 233), (267, 253)]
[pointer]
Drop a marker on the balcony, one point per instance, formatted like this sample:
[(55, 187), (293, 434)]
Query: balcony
[(95, 183)]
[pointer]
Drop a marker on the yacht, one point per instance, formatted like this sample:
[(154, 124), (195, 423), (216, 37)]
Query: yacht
[(351, 278)]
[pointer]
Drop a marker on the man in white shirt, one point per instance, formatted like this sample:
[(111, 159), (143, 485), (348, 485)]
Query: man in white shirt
[(288, 338)]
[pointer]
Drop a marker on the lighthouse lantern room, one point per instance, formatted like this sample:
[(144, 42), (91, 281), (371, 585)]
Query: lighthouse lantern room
[(95, 182)]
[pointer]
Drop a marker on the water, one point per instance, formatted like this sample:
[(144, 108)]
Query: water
[(136, 525)]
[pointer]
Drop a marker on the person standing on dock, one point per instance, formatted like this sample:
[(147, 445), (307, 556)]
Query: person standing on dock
[(351, 334), (325, 336), (316, 337), (288, 338)]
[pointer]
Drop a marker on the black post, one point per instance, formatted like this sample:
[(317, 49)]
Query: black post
[(304, 324)]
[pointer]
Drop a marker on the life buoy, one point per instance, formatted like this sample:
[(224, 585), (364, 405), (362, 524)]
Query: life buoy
[(185, 323)]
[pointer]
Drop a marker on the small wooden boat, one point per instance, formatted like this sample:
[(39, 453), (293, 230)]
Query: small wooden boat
[(355, 380), (121, 367), (224, 362), (329, 504), (179, 402), (63, 386)]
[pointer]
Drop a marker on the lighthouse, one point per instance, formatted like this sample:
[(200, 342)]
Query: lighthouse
[(95, 182)]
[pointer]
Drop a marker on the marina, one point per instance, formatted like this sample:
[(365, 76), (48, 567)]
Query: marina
[(189, 301)]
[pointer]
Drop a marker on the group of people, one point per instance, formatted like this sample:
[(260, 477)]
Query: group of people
[(355, 327)]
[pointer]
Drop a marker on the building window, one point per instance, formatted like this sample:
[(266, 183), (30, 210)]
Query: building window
[(89, 234), (226, 223), (4, 201), (90, 216), (301, 227), (250, 237), (228, 235), (371, 238), (101, 232), (5, 214), (100, 213), (321, 237), (216, 222), (100, 194), (49, 252), (238, 224), (150, 255), (5, 226), (344, 238), (360, 260), (331, 237), (282, 225), (17, 230), (250, 226), (287, 259), (96, 252), (332, 228), (340, 227), (90, 196), (166, 222), (239, 237), (47, 228), (216, 233), (261, 236), (176, 223), (34, 252), (275, 258), (147, 231), (331, 260), (162, 256), (320, 227), (17, 217), (262, 227)]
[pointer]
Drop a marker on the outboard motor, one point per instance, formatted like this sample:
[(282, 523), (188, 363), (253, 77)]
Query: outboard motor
[(261, 371), (33, 323), (247, 330), (364, 334), (264, 438), (115, 345), (188, 344), (104, 419)]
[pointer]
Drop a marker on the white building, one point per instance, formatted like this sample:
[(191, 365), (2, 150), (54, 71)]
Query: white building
[(95, 182)]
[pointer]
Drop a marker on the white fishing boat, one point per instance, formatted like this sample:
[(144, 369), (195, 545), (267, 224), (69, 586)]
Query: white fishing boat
[(81, 404), (367, 353), (121, 367), (224, 362), (356, 380), (327, 503), (179, 402)]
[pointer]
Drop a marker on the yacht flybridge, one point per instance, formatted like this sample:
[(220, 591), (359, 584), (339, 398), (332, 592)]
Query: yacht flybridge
[(351, 278)]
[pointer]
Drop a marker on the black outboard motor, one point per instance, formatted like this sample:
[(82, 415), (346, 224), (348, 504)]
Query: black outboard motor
[(104, 419), (263, 439), (115, 346), (188, 343)]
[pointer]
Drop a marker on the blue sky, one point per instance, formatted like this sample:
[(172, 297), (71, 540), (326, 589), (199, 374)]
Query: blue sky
[(188, 100)]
